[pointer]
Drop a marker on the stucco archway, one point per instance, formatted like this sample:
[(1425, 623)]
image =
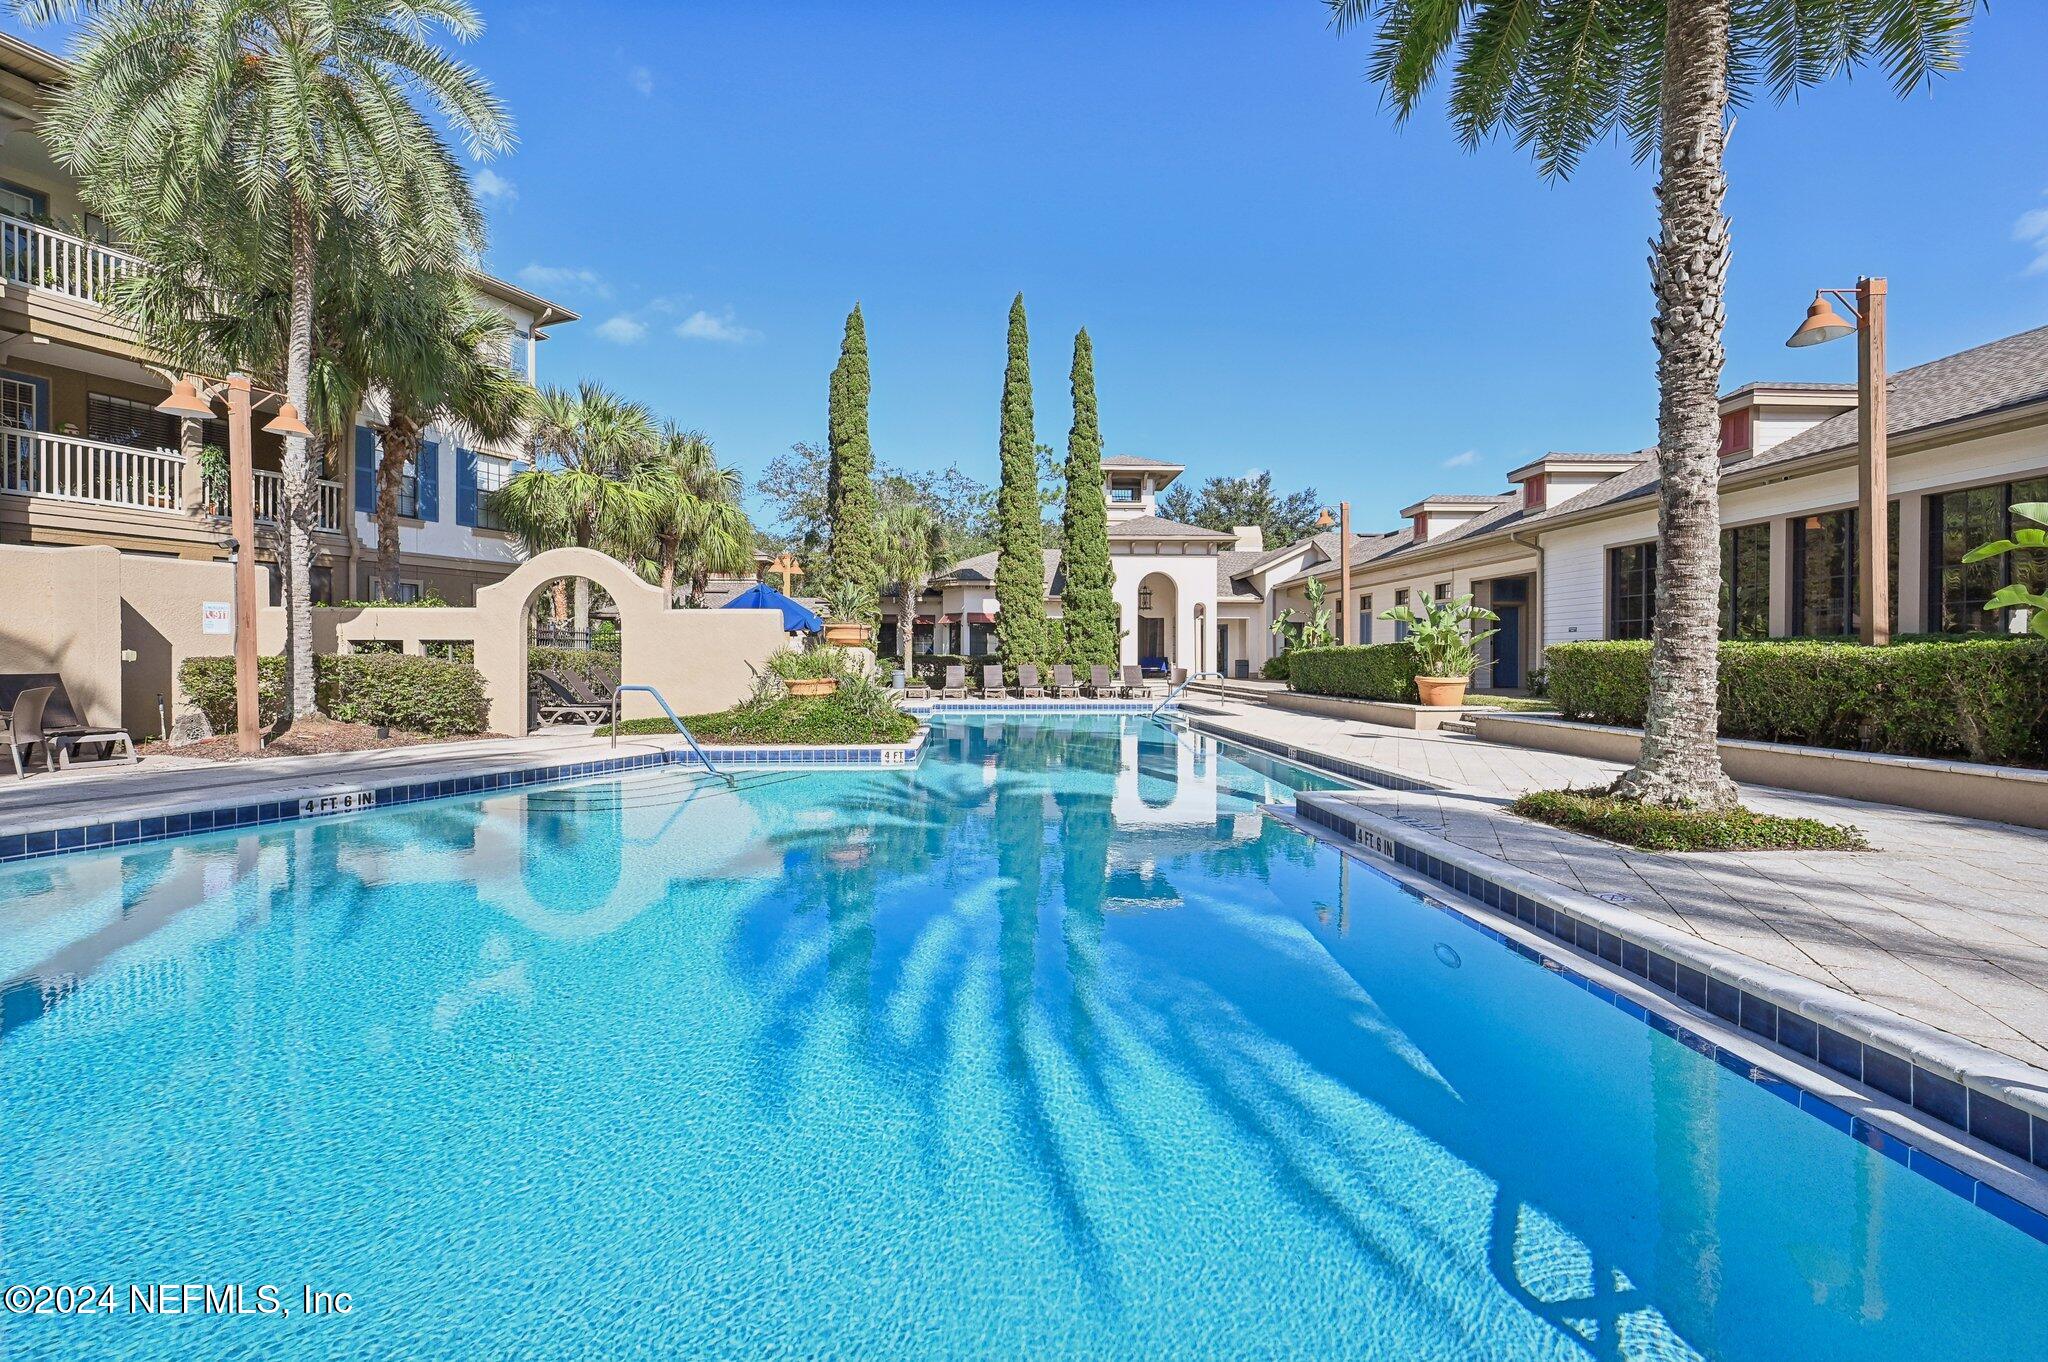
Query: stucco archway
[(1156, 631)]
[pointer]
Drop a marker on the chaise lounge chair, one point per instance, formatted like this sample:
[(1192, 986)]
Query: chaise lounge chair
[(1027, 682), (567, 699), (992, 687), (956, 684), (1135, 686), (1063, 686), (1099, 685), (42, 716)]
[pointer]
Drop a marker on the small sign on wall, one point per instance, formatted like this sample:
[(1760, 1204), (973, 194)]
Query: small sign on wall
[(317, 805), (216, 617)]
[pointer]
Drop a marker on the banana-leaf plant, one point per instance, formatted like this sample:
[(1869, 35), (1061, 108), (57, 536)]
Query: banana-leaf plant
[(2031, 597)]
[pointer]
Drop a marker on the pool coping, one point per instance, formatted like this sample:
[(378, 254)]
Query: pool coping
[(311, 799), (2013, 1191)]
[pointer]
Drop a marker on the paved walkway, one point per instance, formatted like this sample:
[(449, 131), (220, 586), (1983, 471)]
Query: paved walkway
[(1946, 921)]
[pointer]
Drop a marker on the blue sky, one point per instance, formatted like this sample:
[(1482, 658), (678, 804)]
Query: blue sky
[(1275, 276)]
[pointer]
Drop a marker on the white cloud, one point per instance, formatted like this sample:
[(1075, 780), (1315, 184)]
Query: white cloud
[(545, 277), (1465, 460), (641, 79), (492, 187), (2032, 231), (701, 325), (623, 329)]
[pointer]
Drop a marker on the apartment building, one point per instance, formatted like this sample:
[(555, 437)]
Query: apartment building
[(1569, 551), (85, 457)]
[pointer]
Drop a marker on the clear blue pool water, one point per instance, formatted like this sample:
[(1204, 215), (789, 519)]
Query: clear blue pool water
[(1053, 1047)]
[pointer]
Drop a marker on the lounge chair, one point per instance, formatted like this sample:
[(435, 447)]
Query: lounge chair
[(992, 687), (956, 684), (1135, 686), (1099, 684), (1063, 682), (1027, 682), (31, 726), (567, 699)]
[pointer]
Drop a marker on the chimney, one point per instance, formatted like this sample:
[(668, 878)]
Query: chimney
[(1250, 538)]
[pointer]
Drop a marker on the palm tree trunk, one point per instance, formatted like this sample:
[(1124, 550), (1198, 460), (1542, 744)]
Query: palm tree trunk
[(300, 512), (668, 570), (401, 443), (906, 621), (1680, 763), (582, 590)]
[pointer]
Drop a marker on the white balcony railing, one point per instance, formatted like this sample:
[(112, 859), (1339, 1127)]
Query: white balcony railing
[(68, 469), (270, 491), (58, 262)]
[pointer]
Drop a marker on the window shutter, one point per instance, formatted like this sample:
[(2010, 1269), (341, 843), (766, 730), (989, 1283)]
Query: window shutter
[(465, 486), (430, 481), (366, 471)]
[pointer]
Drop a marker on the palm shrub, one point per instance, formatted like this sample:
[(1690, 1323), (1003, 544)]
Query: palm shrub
[(1561, 75), (913, 550), (2030, 540), (695, 525), (294, 117), (1440, 633)]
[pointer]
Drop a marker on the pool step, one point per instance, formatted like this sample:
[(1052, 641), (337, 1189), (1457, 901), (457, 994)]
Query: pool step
[(1464, 726)]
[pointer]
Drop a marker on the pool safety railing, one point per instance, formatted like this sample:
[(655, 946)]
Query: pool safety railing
[(1186, 681), (681, 728)]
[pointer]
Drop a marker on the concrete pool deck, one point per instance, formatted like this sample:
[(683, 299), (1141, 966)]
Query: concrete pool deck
[(1945, 922)]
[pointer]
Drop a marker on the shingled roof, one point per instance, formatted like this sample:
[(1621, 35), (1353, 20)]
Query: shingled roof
[(1159, 527)]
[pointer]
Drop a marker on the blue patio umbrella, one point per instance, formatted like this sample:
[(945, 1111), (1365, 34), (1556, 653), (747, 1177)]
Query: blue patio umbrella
[(796, 617)]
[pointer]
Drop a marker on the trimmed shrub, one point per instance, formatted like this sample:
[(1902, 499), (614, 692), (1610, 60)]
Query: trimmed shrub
[(415, 694), (1982, 699), (1277, 667), (931, 667), (1657, 829), (1368, 671)]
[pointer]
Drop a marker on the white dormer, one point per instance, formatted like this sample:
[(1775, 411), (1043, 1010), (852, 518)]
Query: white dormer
[(1556, 478), (1433, 517), (1133, 484), (1758, 416)]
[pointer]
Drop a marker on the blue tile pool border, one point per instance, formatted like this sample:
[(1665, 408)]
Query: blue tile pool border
[(1907, 1083), (127, 832)]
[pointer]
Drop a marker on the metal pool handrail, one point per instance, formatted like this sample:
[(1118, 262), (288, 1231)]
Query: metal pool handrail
[(681, 728), (1174, 694)]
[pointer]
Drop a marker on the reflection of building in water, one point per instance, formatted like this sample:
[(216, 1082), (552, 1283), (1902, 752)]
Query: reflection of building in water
[(1169, 781)]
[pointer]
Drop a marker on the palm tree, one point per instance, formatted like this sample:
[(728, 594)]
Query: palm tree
[(299, 115), (434, 356), (587, 487), (696, 526), (913, 549), (1561, 75)]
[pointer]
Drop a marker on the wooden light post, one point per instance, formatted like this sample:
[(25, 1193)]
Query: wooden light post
[(185, 401), (1873, 477)]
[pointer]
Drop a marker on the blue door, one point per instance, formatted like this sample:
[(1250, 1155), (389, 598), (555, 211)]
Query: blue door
[(1508, 597)]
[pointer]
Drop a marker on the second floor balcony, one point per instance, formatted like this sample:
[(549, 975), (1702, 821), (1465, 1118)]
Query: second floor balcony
[(47, 260), (156, 482)]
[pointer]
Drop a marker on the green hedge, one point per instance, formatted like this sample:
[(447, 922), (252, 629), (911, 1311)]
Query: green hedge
[(415, 694), (1277, 667), (1983, 699), (1369, 671)]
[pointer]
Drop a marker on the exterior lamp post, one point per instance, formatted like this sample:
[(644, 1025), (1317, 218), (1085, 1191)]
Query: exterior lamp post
[(1873, 481), (186, 402), (1343, 565)]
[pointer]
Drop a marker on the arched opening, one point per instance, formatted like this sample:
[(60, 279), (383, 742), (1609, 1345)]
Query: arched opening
[(574, 640), (1158, 605)]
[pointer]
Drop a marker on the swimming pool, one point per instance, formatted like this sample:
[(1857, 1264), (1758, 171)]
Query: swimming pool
[(1052, 1047)]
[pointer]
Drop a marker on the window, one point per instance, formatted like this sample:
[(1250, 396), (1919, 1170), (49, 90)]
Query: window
[(409, 488), (120, 421), (17, 404), (1825, 593), (1400, 629), (1958, 522), (1632, 591), (1365, 619), (17, 200), (1442, 592), (491, 474), (1746, 582), (1124, 491), (407, 591)]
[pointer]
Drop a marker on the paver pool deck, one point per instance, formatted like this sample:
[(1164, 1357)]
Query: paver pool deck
[(1945, 921)]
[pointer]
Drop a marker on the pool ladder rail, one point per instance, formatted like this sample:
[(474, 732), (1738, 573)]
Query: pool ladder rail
[(1186, 681), (681, 728)]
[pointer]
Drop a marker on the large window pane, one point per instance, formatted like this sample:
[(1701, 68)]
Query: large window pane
[(1746, 582), (1960, 521), (1824, 574), (1631, 591)]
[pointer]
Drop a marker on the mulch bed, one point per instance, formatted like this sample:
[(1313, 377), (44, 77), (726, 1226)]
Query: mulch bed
[(310, 738)]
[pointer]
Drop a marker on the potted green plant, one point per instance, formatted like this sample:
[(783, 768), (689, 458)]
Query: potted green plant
[(852, 607), (1441, 635), (808, 674)]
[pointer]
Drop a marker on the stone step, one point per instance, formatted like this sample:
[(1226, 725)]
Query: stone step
[(1464, 726)]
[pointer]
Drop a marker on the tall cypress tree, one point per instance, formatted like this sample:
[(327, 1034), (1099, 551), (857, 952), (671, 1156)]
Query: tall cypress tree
[(1088, 612), (850, 480), (1022, 631)]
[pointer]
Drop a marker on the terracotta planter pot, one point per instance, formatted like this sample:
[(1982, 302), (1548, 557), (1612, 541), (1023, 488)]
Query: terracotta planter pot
[(847, 634), (1442, 690), (810, 687)]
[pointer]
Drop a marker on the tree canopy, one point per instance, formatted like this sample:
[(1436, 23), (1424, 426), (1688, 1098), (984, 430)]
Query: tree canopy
[(1226, 503)]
